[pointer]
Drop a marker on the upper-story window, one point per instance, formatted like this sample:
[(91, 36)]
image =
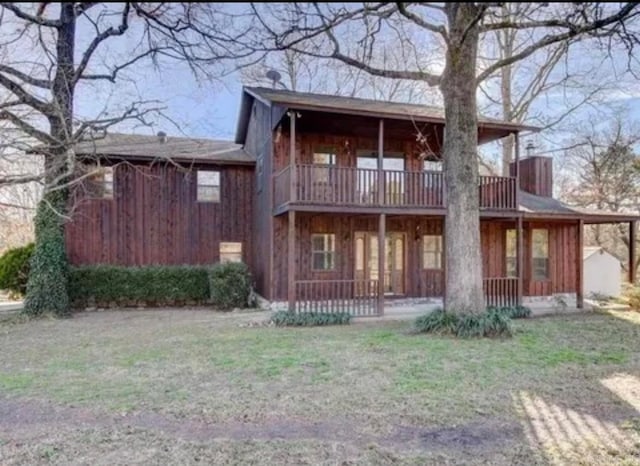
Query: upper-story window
[(323, 159), (540, 254), (101, 181), (208, 186), (393, 166)]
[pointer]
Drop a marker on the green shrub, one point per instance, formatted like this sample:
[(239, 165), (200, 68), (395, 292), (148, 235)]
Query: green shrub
[(491, 323), (514, 312), (151, 285), (231, 286), (309, 319), (437, 321), (14, 269), (494, 322), (47, 287)]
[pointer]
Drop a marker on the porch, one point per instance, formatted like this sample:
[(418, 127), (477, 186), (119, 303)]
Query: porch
[(365, 264)]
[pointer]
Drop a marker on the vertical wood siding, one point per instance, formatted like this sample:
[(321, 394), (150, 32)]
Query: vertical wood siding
[(154, 218)]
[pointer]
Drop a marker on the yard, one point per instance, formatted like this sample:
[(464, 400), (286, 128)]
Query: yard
[(187, 387)]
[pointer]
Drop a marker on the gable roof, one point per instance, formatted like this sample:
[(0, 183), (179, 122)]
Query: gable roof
[(352, 105), (143, 147)]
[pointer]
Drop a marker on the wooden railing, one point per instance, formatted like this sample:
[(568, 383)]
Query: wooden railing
[(501, 291), (497, 192), (348, 186), (357, 297)]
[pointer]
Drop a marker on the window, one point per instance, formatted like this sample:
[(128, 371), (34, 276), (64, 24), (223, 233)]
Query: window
[(540, 254), (230, 252), (510, 253), (323, 160), (432, 251), (208, 186), (101, 181), (323, 250), (432, 166)]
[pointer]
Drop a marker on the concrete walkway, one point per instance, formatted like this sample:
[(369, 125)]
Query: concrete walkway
[(9, 307)]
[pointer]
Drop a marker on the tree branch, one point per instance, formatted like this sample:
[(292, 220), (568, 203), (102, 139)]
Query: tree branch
[(39, 20), (573, 31), (42, 83), (23, 95), (26, 127)]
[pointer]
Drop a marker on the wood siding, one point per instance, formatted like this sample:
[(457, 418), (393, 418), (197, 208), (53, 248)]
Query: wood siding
[(536, 175), (418, 281), (259, 144), (154, 218)]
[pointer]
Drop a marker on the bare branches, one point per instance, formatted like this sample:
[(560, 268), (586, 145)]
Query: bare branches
[(438, 29), (23, 96), (26, 127), (26, 78), (101, 37), (571, 30), (37, 20)]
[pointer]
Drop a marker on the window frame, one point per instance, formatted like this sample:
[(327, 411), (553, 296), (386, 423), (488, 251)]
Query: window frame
[(328, 251), (101, 181), (200, 185), (437, 252), (220, 253), (534, 275)]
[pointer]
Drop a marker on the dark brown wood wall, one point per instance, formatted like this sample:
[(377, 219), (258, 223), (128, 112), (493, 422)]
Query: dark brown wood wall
[(562, 260), (154, 218), (420, 282), (536, 175), (259, 144)]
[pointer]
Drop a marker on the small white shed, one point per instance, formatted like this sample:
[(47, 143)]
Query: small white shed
[(602, 272)]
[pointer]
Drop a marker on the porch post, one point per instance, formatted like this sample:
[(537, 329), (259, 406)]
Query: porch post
[(292, 155), (382, 220), (291, 260), (632, 252), (516, 168), (520, 258), (579, 276)]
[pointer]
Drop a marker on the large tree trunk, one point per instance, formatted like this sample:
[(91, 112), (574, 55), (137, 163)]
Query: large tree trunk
[(47, 286), (506, 44), (464, 292)]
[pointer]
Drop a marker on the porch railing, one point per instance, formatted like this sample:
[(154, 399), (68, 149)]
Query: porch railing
[(349, 186), (501, 291), (357, 297)]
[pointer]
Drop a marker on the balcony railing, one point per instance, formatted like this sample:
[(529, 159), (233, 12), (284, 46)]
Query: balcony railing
[(347, 186), (357, 297)]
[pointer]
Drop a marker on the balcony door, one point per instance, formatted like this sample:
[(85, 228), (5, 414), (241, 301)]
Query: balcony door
[(366, 263)]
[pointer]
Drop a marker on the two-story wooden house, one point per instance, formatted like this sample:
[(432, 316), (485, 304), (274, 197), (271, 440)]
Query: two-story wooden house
[(335, 203)]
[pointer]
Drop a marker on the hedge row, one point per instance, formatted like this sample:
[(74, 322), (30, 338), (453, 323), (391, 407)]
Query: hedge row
[(223, 285)]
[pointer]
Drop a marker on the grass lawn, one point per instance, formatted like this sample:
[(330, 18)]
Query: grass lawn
[(189, 387)]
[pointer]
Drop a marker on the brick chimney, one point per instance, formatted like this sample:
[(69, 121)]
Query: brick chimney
[(536, 175)]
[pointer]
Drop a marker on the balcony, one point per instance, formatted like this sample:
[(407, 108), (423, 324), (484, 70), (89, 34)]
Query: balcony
[(331, 186)]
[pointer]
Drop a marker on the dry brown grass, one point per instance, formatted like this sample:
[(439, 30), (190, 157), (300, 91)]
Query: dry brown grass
[(192, 387)]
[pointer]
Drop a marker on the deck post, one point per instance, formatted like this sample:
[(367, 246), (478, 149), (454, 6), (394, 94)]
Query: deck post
[(516, 168), (292, 155), (291, 260), (381, 257), (380, 163), (520, 258), (579, 276), (382, 221), (632, 252)]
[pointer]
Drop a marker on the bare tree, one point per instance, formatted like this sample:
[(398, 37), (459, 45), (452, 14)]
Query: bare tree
[(305, 73), (448, 34), (551, 78), (605, 175), (52, 51)]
